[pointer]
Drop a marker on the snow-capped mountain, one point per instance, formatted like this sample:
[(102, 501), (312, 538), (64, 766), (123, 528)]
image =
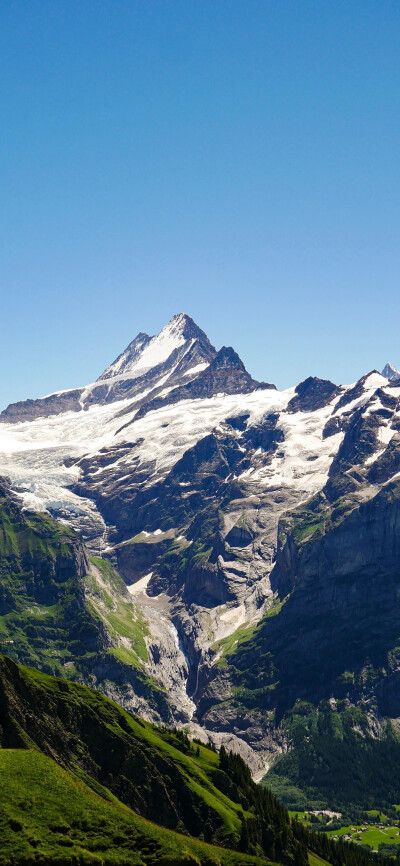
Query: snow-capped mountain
[(148, 366), (390, 372), (181, 469)]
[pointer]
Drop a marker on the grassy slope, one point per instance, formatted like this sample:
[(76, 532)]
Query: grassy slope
[(49, 815), (110, 600), (155, 772), (138, 762)]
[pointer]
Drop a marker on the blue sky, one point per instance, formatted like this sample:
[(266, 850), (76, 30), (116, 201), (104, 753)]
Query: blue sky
[(234, 159)]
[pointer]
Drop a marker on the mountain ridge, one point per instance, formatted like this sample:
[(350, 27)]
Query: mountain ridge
[(183, 478)]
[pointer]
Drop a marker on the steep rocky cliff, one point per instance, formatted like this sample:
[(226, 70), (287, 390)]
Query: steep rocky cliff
[(69, 614)]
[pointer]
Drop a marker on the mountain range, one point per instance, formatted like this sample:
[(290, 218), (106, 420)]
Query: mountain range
[(210, 551)]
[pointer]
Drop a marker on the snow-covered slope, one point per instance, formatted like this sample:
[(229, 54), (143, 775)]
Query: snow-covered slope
[(177, 465), (129, 358)]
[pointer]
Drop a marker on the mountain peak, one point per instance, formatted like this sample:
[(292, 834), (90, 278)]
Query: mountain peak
[(179, 321), (390, 372), (229, 359), (145, 353), (128, 357), (184, 325)]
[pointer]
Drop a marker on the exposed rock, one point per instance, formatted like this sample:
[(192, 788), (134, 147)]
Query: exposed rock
[(387, 464), (28, 410), (313, 394), (225, 374), (238, 422)]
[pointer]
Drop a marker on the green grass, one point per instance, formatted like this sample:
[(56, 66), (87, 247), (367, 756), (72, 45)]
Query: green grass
[(82, 781), (275, 607), (373, 836), (375, 813), (123, 618), (47, 812), (307, 531), (63, 700), (315, 860), (303, 817)]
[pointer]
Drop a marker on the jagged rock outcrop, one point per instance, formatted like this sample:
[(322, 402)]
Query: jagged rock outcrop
[(313, 394)]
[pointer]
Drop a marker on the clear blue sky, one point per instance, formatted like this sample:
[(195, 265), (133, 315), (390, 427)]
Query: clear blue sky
[(234, 159)]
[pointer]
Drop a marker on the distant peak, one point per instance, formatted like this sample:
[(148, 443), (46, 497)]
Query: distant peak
[(390, 372)]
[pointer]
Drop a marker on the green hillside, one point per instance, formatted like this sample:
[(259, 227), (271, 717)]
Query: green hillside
[(48, 815), (84, 781), (155, 772)]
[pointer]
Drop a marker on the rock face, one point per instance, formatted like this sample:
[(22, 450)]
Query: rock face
[(54, 404), (312, 394), (246, 522), (342, 589)]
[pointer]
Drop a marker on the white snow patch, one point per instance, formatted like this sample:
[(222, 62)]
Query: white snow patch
[(140, 585), (156, 352), (374, 457), (32, 453), (304, 457), (385, 434), (375, 380), (197, 369)]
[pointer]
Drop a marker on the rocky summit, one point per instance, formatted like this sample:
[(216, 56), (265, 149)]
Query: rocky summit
[(256, 531), (391, 372)]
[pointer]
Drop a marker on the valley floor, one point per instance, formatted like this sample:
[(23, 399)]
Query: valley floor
[(378, 830)]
